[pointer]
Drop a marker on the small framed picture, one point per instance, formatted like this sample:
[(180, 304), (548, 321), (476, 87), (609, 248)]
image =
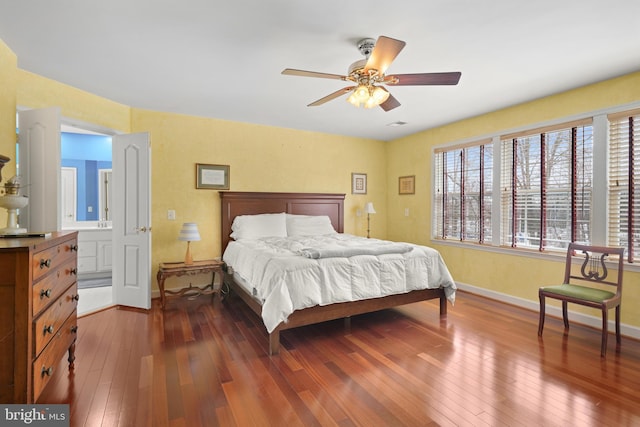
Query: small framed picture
[(358, 183), (213, 177), (407, 184)]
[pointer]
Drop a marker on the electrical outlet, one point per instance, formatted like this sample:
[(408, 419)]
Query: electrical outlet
[(171, 214), (406, 211)]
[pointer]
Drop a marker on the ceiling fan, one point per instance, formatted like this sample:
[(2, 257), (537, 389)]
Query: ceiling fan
[(368, 75)]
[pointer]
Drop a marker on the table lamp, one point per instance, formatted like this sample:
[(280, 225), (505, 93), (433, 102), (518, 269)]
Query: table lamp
[(368, 208), (189, 233)]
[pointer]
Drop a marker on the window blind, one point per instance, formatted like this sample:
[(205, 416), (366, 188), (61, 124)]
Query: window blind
[(463, 193), (546, 188), (624, 194)]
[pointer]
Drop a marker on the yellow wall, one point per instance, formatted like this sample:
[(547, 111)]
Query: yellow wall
[(508, 274), (34, 91), (261, 158)]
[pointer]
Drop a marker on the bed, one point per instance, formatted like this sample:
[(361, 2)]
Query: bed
[(301, 205)]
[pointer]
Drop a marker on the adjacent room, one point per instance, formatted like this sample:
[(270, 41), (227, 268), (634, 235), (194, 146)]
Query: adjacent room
[(270, 213)]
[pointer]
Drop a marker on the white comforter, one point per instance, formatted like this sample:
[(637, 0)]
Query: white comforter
[(284, 280)]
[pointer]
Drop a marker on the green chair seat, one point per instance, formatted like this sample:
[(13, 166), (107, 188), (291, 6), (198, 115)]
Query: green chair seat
[(580, 292)]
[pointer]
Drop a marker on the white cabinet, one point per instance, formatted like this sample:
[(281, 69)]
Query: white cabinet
[(94, 253), (104, 255), (87, 261)]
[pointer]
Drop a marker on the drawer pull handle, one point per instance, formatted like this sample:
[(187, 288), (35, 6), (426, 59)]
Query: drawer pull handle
[(74, 329), (47, 371), (73, 248), (73, 271), (75, 297), (45, 263), (47, 329), (46, 293)]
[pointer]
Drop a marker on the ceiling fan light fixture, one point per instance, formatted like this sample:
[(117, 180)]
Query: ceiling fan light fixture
[(368, 96), (380, 95), (361, 93), (352, 100), (370, 103)]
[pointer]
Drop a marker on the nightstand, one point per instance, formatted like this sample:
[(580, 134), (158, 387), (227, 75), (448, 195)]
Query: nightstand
[(169, 269)]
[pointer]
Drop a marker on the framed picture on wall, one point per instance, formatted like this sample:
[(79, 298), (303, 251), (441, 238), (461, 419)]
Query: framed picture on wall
[(407, 184), (214, 177), (358, 183)]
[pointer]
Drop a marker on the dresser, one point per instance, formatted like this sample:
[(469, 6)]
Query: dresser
[(38, 321)]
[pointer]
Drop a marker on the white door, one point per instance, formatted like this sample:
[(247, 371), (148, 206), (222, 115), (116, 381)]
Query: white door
[(68, 194), (39, 168), (131, 165)]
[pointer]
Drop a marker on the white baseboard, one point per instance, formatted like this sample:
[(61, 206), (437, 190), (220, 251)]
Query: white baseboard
[(585, 319)]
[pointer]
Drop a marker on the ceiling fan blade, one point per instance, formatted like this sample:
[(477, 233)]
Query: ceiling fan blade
[(303, 73), (331, 96), (385, 51), (390, 103), (423, 79)]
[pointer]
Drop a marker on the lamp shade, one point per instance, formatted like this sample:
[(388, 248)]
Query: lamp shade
[(189, 232), (368, 208)]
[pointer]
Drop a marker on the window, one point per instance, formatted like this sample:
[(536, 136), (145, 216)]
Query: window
[(545, 192), (624, 182), (463, 178), (571, 182), (546, 187)]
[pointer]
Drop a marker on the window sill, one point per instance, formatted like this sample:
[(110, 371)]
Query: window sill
[(557, 256)]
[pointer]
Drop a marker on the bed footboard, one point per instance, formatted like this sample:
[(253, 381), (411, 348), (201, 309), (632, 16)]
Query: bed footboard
[(325, 313)]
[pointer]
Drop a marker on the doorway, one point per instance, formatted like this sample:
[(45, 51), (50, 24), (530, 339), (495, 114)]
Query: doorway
[(86, 156), (39, 151)]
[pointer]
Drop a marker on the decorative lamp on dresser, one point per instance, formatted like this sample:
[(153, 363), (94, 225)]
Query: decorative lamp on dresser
[(38, 320)]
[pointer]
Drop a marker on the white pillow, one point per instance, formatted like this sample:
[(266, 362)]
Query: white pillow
[(307, 225), (257, 226)]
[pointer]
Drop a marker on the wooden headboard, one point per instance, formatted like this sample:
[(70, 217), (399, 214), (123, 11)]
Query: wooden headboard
[(236, 203)]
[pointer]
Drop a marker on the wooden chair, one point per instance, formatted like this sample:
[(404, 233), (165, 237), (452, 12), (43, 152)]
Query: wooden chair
[(589, 282)]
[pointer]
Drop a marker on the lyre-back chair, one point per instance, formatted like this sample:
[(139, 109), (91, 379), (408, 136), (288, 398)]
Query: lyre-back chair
[(589, 282)]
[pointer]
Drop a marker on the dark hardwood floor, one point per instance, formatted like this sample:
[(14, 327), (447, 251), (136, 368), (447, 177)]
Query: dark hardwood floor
[(204, 364)]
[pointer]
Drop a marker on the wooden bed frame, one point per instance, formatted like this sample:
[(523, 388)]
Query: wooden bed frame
[(250, 203)]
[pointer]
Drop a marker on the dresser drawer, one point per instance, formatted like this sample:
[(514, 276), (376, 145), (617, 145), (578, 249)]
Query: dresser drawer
[(45, 364), (52, 286), (49, 323), (51, 258)]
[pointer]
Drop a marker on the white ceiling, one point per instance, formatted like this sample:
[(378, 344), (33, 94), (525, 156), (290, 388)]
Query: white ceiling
[(223, 59)]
